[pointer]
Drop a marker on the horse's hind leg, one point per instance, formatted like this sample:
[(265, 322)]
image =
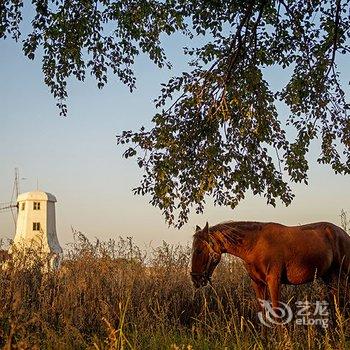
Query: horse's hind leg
[(332, 282)]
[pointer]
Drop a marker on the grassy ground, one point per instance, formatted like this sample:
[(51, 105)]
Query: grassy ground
[(110, 296)]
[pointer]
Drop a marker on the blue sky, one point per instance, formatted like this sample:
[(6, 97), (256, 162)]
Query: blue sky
[(77, 160)]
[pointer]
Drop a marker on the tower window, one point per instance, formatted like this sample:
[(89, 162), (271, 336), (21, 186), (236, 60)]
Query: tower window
[(36, 206), (23, 206), (36, 226)]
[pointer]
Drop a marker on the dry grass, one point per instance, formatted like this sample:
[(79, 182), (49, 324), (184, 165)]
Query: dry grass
[(108, 295)]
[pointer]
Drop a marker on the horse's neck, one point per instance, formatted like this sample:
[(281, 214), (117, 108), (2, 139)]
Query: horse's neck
[(237, 243)]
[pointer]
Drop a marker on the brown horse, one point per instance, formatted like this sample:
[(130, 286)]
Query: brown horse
[(273, 254)]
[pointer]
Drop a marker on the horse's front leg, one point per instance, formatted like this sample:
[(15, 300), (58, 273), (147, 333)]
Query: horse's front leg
[(260, 289), (273, 280), (260, 292)]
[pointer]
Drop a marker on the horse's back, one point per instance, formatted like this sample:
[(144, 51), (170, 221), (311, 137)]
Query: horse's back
[(302, 250)]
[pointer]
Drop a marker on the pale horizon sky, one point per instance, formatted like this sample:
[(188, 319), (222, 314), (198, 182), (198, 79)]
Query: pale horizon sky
[(77, 160)]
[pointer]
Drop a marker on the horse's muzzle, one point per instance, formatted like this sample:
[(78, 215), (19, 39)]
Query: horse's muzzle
[(199, 280)]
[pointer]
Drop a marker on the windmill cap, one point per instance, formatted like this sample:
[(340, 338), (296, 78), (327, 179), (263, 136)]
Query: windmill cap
[(36, 196)]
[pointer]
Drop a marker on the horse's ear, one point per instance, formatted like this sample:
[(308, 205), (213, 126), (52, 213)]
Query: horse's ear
[(198, 228), (205, 232)]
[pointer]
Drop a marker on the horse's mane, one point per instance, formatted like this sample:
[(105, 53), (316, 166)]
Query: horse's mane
[(234, 231), (237, 226)]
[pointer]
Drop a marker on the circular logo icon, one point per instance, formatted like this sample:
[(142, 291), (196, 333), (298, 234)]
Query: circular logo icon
[(274, 316)]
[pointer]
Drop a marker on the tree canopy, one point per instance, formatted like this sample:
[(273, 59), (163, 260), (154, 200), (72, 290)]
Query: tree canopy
[(217, 132)]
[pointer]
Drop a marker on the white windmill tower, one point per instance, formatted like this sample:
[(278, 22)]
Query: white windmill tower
[(36, 226)]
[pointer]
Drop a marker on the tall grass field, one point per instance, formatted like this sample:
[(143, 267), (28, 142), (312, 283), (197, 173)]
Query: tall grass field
[(111, 295)]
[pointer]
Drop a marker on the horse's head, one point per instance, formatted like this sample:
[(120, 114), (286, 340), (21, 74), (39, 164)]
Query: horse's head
[(204, 257)]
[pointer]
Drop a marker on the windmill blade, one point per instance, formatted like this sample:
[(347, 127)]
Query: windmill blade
[(15, 193), (15, 188), (5, 207), (16, 183), (14, 217), (10, 206)]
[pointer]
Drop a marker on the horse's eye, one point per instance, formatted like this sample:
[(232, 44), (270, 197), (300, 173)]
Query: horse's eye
[(198, 251)]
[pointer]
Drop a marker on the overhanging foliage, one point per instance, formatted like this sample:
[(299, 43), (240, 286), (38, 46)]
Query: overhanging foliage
[(217, 131)]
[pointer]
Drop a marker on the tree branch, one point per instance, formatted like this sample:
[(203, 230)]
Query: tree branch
[(335, 36)]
